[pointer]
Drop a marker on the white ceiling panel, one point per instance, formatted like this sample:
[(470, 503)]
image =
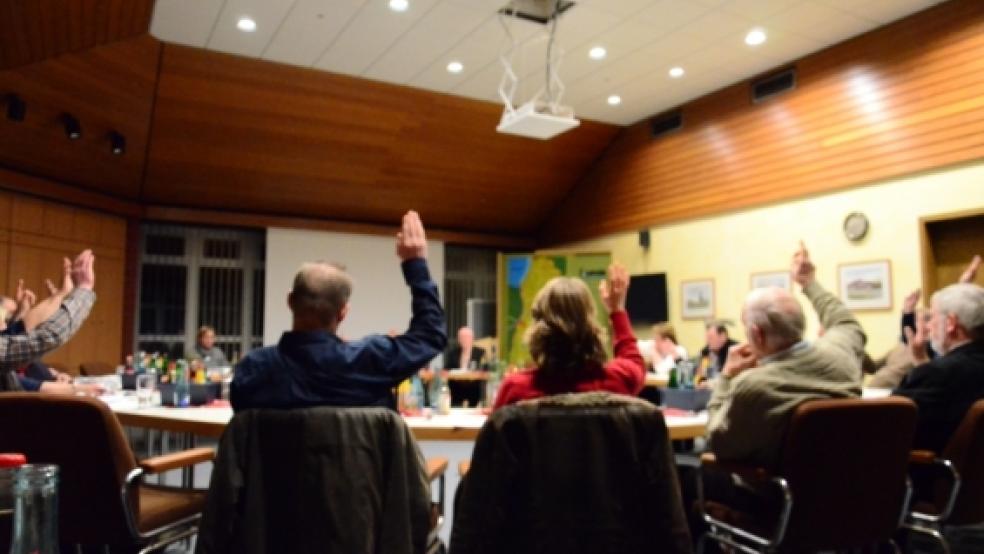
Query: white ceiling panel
[(184, 22), (429, 40), (837, 24), (309, 29), (760, 9), (369, 35), (643, 38), (267, 15)]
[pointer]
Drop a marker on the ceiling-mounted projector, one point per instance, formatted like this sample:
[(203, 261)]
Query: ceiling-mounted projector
[(541, 117), (536, 121)]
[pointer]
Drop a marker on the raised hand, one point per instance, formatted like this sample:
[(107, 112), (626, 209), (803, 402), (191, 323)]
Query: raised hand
[(67, 285), (803, 270), (740, 358), (910, 302), (970, 273), (917, 341), (25, 299), (410, 241), (83, 271), (614, 289)]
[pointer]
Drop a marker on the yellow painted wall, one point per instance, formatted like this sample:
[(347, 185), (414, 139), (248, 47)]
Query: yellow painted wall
[(729, 248)]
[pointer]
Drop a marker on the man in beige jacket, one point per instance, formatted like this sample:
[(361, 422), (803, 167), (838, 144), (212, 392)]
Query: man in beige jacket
[(765, 379)]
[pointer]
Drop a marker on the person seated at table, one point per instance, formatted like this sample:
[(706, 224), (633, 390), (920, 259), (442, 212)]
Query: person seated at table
[(897, 363), (715, 353), (944, 388), (38, 377), (667, 351), (465, 355), (66, 320), (312, 366), (764, 380), (206, 351), (567, 345)]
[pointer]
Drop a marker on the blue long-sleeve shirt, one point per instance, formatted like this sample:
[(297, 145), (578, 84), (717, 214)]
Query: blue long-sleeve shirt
[(318, 368)]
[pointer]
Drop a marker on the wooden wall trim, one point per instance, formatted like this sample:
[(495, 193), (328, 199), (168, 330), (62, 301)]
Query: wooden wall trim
[(67, 194), (173, 214), (902, 99)]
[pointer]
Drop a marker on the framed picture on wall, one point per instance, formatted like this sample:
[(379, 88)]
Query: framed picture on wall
[(866, 285), (766, 279), (697, 297)]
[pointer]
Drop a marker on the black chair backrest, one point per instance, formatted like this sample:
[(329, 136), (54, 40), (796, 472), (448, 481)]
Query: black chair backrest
[(572, 473), (85, 440), (846, 462), (966, 451)]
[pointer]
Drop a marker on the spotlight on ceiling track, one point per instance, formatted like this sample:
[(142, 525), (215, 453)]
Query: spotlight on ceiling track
[(73, 129), (117, 143), (16, 107)]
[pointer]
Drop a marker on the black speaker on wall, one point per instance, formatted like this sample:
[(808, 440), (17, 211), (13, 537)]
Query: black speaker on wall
[(644, 238)]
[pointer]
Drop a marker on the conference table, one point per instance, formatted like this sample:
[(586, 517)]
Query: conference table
[(462, 424)]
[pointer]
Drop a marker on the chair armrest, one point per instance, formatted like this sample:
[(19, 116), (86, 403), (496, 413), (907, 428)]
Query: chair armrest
[(747, 472), (177, 460), (436, 467), (463, 467), (925, 457)]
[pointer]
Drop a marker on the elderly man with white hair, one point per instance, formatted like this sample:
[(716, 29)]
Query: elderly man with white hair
[(944, 388), (765, 379)]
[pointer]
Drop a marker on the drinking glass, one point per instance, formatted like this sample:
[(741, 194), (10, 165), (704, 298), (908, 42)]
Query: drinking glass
[(146, 384)]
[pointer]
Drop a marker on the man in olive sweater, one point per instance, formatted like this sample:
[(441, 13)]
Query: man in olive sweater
[(764, 380)]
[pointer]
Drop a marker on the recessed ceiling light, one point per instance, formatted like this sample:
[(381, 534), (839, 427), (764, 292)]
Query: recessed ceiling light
[(455, 67), (755, 37), (676, 72), (246, 25), (614, 100), (597, 53), (399, 5)]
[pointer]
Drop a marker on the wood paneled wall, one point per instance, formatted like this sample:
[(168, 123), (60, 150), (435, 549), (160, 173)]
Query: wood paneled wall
[(34, 30), (106, 88), (902, 99), (35, 235), (253, 136)]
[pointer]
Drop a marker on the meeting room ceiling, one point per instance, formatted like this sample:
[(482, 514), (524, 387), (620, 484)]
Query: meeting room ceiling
[(643, 40)]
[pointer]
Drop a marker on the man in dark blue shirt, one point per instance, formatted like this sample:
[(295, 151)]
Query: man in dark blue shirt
[(312, 366)]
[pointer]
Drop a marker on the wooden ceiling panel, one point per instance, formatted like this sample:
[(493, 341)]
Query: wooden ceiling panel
[(905, 98), (109, 87), (241, 134), (35, 30)]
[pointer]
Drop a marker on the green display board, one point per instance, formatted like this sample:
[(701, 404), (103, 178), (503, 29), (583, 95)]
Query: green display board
[(521, 276)]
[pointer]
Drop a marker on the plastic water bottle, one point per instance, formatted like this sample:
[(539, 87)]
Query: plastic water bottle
[(182, 388), (444, 400), (417, 392)]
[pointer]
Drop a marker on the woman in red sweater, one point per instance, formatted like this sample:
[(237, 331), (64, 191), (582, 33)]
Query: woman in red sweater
[(568, 347)]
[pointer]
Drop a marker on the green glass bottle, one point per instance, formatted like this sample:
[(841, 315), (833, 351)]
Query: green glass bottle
[(674, 382)]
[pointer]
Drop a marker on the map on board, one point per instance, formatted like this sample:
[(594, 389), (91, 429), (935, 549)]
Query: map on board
[(523, 275)]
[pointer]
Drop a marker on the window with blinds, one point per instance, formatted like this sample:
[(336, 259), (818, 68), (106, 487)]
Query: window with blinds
[(195, 276), (469, 274)]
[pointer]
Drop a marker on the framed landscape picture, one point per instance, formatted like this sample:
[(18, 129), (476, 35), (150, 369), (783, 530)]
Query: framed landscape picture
[(866, 285), (766, 279), (698, 299)]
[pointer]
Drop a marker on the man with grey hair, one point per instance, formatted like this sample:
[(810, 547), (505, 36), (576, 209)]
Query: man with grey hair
[(944, 388), (764, 380), (312, 365)]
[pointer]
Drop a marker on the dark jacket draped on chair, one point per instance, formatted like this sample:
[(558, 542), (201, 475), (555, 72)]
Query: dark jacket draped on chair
[(590, 472), (318, 479)]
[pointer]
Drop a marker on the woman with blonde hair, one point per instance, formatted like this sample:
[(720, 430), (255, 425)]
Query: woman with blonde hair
[(568, 346)]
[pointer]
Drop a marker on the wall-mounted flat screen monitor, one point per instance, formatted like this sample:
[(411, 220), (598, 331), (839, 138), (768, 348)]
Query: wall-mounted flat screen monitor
[(646, 302)]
